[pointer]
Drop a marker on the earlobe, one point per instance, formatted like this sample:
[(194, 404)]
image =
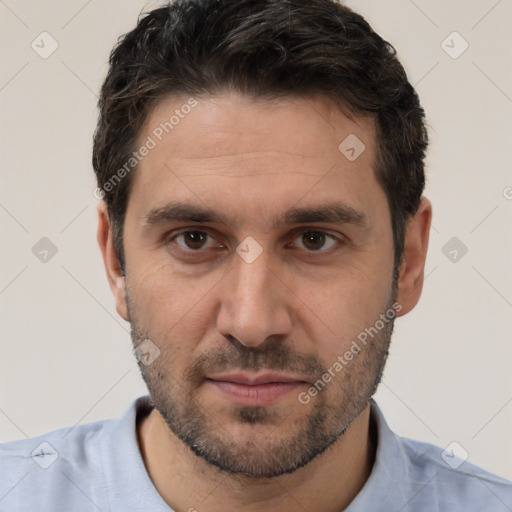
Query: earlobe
[(115, 274), (412, 268)]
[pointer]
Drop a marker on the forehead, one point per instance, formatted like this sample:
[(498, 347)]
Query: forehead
[(265, 151), (235, 123)]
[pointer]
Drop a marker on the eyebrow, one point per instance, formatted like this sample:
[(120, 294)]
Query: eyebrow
[(336, 213)]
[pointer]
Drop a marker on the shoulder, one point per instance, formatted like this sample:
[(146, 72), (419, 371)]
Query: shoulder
[(52, 467), (410, 475), (78, 468), (68, 443), (444, 475)]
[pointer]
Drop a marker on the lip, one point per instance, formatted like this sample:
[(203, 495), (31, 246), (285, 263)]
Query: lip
[(254, 390), (253, 380)]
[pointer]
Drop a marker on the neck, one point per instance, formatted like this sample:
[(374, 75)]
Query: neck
[(327, 484)]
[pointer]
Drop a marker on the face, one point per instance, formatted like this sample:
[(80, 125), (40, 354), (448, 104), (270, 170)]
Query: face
[(257, 254)]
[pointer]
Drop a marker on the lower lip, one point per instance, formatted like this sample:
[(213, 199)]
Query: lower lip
[(260, 394)]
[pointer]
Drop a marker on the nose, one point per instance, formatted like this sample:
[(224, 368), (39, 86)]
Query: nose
[(255, 303)]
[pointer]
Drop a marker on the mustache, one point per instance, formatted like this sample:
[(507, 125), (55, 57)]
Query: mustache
[(272, 357)]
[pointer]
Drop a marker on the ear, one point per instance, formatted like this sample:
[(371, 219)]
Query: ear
[(115, 276), (412, 268)]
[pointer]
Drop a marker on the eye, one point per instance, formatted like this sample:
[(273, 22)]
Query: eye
[(314, 240), (193, 240)]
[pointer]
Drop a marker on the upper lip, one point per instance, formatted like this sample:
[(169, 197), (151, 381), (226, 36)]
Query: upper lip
[(254, 380)]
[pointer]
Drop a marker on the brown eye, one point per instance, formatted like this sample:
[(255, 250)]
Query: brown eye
[(315, 240), (194, 240)]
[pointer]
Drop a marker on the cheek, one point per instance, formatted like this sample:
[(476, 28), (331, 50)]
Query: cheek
[(337, 310), (175, 309)]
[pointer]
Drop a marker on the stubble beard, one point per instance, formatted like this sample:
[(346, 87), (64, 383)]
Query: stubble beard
[(270, 446)]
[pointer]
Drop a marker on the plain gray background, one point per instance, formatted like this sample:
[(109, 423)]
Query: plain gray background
[(66, 355)]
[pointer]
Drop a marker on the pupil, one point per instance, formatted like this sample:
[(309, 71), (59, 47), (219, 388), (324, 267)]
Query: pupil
[(310, 236), (194, 237)]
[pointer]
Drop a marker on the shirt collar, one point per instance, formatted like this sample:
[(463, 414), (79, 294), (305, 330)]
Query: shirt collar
[(128, 482), (384, 488)]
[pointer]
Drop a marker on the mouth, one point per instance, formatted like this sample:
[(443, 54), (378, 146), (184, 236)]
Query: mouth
[(254, 390)]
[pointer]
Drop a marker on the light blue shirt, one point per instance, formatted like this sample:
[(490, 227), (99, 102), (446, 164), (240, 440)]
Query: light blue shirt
[(98, 467)]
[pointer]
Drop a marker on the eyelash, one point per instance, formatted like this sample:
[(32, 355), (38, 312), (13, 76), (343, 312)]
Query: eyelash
[(192, 253)]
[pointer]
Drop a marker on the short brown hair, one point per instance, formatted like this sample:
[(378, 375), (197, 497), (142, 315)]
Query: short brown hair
[(267, 49)]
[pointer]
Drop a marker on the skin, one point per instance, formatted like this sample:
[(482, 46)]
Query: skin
[(251, 160)]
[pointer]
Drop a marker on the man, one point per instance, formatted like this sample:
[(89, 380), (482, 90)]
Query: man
[(262, 225)]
